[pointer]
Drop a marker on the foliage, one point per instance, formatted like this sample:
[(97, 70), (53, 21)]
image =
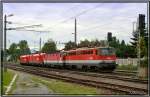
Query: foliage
[(49, 47), (70, 45), (134, 40), (85, 43), (15, 50), (24, 48), (123, 50), (142, 46), (144, 62), (140, 36)]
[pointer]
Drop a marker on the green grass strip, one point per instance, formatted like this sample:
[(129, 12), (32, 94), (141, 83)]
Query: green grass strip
[(7, 77), (60, 87)]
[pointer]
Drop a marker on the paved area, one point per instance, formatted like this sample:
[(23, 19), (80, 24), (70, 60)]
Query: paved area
[(25, 85)]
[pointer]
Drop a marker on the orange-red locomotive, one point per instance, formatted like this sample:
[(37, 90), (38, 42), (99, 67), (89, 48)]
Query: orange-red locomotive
[(99, 58)]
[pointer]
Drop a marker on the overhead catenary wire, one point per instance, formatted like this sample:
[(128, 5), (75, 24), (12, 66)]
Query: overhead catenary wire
[(23, 27), (99, 26), (33, 30), (77, 15)]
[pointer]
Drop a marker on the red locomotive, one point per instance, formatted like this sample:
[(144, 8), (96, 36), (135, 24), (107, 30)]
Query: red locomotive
[(99, 58)]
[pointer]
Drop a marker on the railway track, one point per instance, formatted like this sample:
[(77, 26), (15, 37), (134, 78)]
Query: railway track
[(80, 80), (119, 76), (114, 75)]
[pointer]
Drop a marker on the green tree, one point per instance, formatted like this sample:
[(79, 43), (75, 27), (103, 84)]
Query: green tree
[(24, 48), (70, 45), (49, 47), (129, 51), (13, 52), (84, 43), (95, 43), (134, 40), (141, 30), (142, 47)]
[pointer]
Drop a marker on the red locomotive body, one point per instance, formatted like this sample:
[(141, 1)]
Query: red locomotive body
[(24, 59), (53, 59), (36, 58), (100, 58)]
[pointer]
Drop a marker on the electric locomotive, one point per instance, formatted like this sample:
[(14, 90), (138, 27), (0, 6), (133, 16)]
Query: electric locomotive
[(99, 58)]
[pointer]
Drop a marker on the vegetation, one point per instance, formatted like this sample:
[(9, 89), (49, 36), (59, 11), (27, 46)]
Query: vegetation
[(129, 67), (60, 87), (23, 47), (7, 77), (70, 45), (15, 50), (49, 47), (140, 40)]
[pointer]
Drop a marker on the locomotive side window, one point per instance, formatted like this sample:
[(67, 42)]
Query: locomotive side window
[(106, 51)]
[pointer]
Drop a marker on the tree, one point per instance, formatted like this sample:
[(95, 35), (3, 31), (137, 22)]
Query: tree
[(49, 47), (84, 43), (129, 51), (70, 45), (13, 52), (95, 43), (142, 47), (24, 48), (139, 31)]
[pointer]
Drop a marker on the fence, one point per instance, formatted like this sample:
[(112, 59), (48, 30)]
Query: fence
[(132, 61)]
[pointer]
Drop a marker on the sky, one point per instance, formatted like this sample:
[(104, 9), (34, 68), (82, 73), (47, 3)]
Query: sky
[(94, 21)]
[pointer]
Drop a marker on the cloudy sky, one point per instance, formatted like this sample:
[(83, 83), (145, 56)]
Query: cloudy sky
[(94, 20)]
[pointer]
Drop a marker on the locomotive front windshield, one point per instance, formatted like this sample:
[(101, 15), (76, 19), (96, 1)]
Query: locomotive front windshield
[(106, 51)]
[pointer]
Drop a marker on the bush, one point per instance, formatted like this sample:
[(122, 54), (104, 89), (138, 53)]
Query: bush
[(144, 62), (127, 67)]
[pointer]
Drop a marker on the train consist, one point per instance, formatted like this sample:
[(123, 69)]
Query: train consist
[(98, 58)]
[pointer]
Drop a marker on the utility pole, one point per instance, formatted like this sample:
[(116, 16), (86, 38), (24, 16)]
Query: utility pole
[(75, 33), (40, 44), (5, 52), (5, 40)]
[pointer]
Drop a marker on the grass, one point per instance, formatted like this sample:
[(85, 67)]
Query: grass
[(60, 87), (7, 77), (129, 67)]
